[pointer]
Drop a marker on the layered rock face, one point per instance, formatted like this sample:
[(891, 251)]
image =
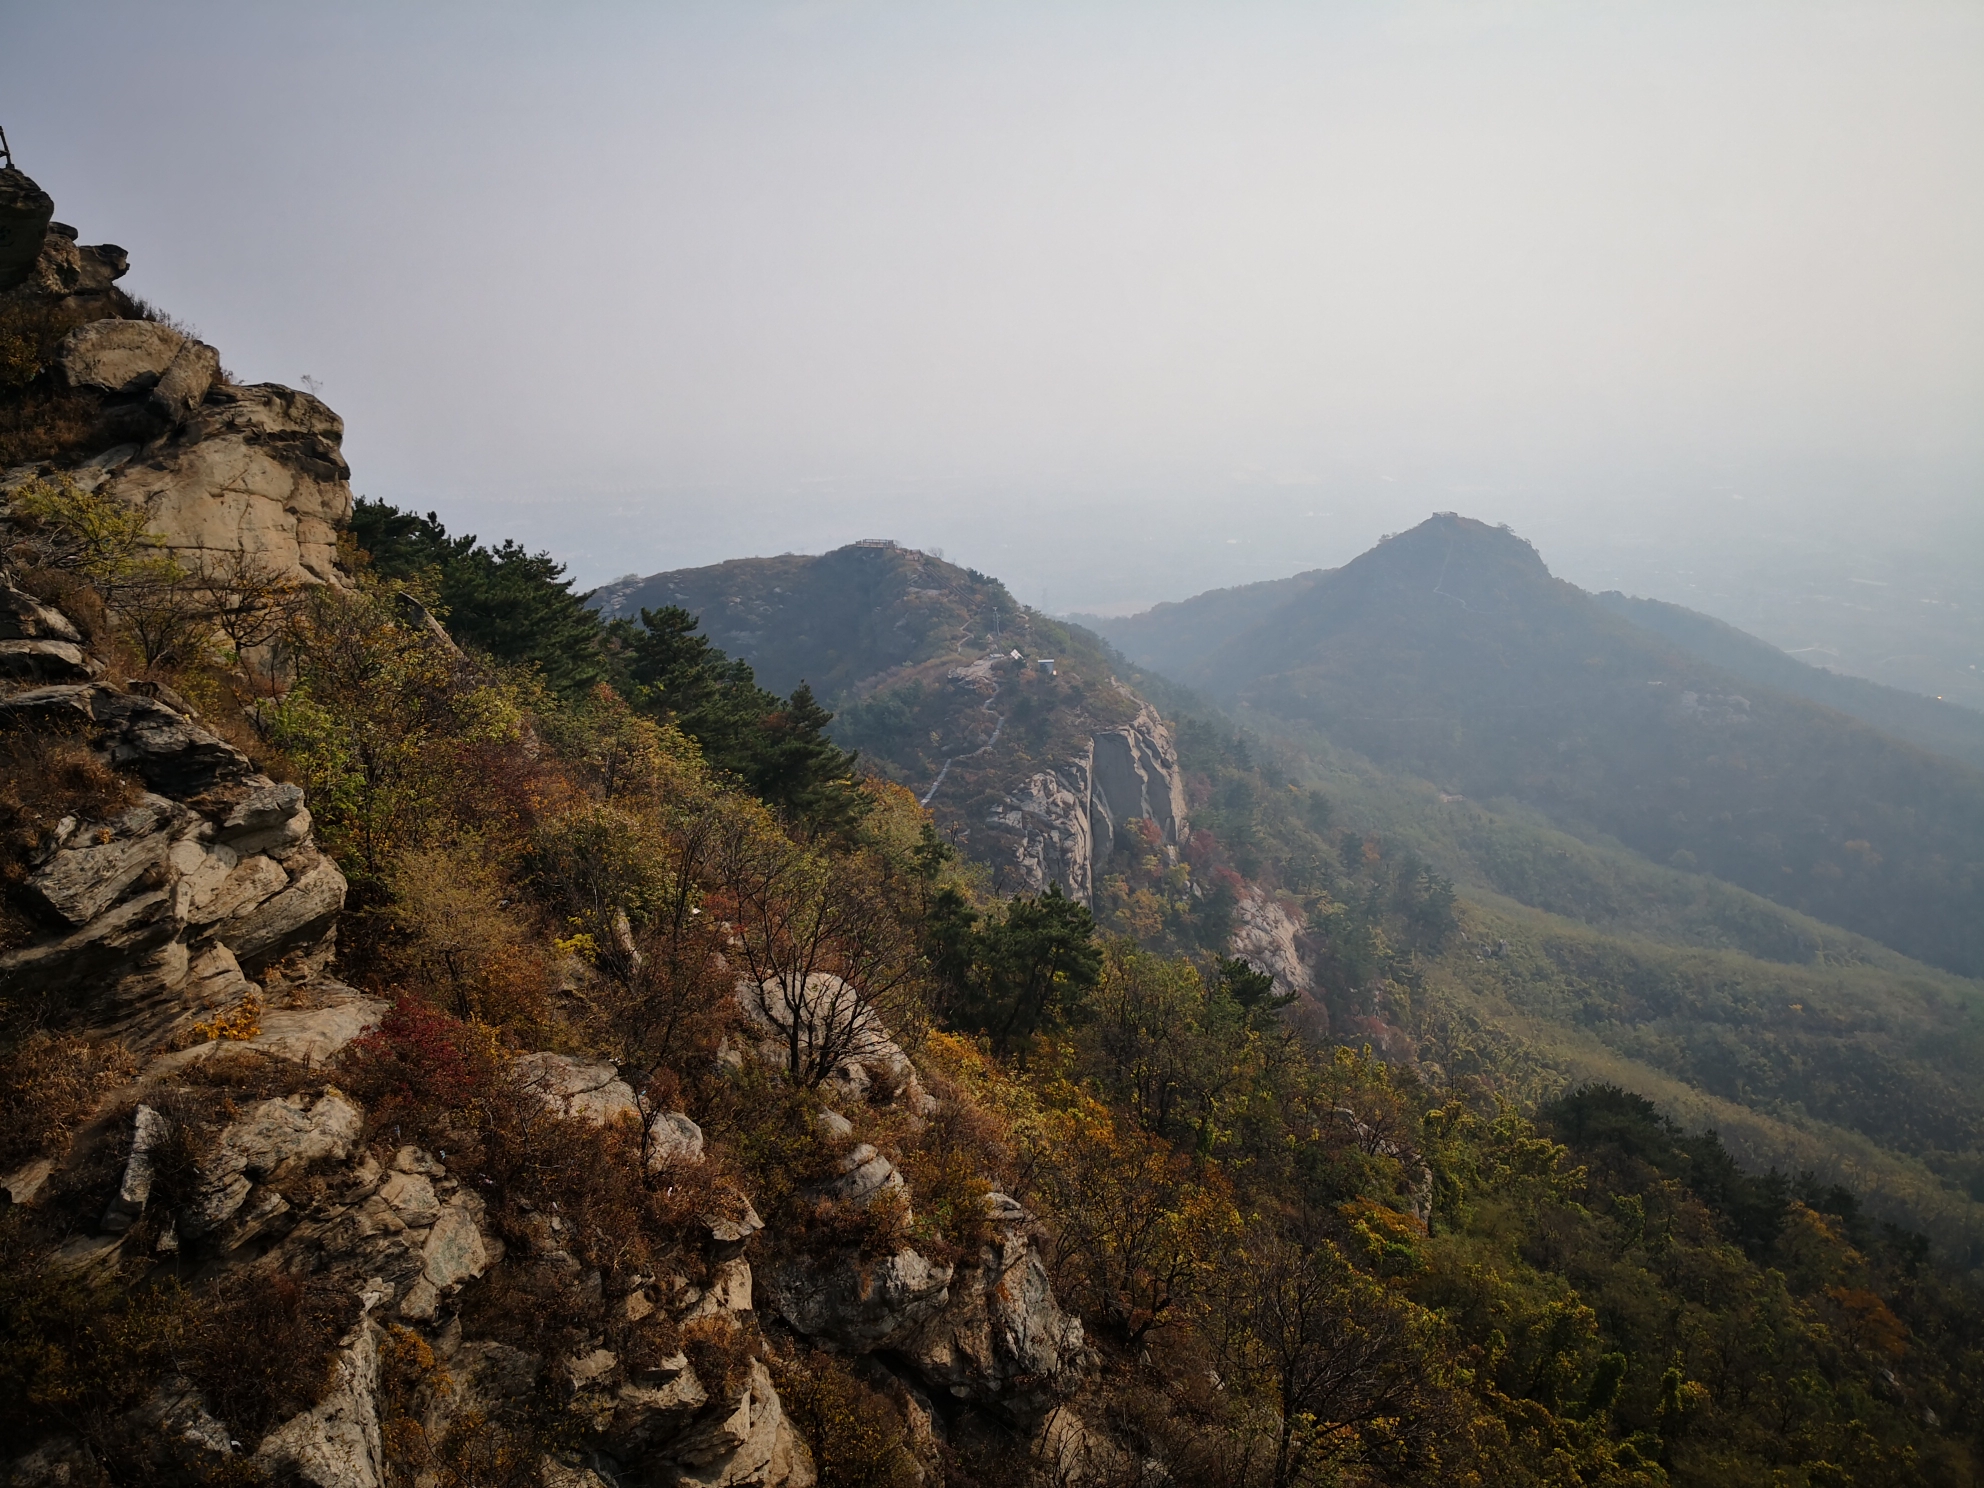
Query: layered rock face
[(226, 473), (1068, 819), (155, 914)]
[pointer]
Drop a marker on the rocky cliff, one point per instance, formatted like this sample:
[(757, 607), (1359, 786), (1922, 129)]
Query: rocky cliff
[(182, 922), (1059, 825), (114, 399)]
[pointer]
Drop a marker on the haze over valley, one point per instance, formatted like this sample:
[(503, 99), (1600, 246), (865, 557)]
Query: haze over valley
[(835, 744)]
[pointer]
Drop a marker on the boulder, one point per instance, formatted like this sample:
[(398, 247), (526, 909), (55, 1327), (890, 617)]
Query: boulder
[(1045, 827), (149, 1128), (1001, 1338), (79, 882), (25, 618), (859, 1304), (254, 470), (1264, 934), (25, 210), (834, 1020), (118, 356), (44, 661), (301, 915), (272, 1136), (78, 275), (673, 1141), (581, 1089)]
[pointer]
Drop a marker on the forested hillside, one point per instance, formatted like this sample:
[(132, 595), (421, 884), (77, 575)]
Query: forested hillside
[(1450, 654), (1944, 727)]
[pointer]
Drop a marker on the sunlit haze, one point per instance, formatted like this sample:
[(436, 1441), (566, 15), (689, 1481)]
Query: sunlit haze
[(1118, 302)]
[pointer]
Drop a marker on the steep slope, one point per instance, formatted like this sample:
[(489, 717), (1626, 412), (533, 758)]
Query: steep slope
[(1944, 727), (1178, 636), (1450, 653)]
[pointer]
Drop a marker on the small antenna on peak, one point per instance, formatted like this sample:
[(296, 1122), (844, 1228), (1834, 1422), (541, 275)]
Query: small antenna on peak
[(5, 153)]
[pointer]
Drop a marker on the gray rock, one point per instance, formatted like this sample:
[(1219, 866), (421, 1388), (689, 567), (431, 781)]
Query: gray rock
[(253, 469), (865, 1175), (1001, 1337), (79, 883), (454, 1250), (25, 210), (241, 889), (185, 384), (44, 661), (66, 706), (299, 916), (25, 618), (673, 1141), (581, 1089), (725, 1235), (858, 1304), (118, 356), (273, 1135)]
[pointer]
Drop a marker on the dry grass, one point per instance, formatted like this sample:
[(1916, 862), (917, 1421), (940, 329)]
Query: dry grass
[(38, 420), (49, 1085)]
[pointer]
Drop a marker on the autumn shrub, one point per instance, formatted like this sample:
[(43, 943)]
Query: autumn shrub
[(721, 1353), (419, 1065), (263, 1345), (855, 1431), (49, 1084), (453, 932)]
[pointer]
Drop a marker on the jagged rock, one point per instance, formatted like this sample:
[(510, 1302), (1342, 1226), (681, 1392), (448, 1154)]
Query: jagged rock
[(584, 1090), (63, 706), (1060, 825), (859, 1304), (185, 384), (865, 1175), (1050, 825), (80, 882), (271, 1136), (337, 1444), (69, 271), (177, 1411), (25, 618), (301, 914), (1136, 774), (834, 1021), (25, 210), (726, 1234), (252, 470), (1001, 1338), (747, 1441), (651, 1408), (173, 754), (44, 661), (729, 1291), (118, 356)]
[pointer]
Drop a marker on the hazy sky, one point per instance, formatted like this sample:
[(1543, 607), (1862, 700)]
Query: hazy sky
[(1118, 301)]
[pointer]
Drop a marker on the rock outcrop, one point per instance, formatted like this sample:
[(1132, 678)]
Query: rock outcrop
[(156, 915), (229, 475), (1264, 932), (1065, 822)]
